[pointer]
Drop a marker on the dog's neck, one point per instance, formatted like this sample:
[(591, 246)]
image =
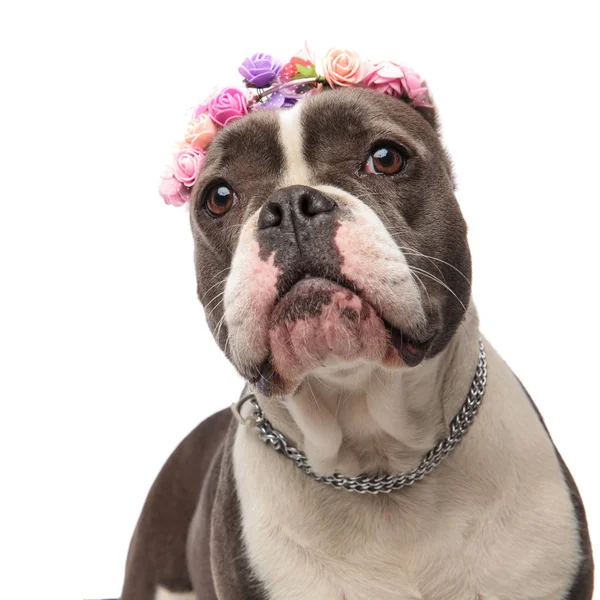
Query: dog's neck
[(354, 419)]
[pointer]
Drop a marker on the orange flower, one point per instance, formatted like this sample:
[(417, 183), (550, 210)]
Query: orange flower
[(343, 68), (200, 132)]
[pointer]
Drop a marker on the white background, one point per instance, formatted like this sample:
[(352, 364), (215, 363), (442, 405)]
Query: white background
[(106, 362)]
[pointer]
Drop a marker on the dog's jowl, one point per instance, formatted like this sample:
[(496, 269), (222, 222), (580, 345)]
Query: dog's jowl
[(382, 450)]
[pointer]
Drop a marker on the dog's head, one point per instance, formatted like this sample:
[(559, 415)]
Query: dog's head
[(329, 234)]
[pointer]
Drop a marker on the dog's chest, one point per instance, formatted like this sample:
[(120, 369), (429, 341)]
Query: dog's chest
[(307, 541), (355, 555), (352, 558)]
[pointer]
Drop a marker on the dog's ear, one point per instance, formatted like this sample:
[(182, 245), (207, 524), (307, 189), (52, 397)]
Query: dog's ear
[(430, 114), (417, 94), (421, 99)]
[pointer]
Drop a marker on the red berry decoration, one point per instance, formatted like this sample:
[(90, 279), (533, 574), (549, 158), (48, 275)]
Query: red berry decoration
[(297, 68), (288, 72), (301, 61)]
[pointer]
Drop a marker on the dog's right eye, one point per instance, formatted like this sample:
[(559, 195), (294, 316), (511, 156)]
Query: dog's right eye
[(220, 199), (385, 160)]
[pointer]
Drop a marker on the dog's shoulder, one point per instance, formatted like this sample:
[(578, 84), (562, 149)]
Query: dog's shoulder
[(530, 438), (582, 587), (216, 552)]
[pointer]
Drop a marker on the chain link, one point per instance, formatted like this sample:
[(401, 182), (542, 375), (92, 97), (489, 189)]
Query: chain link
[(387, 483)]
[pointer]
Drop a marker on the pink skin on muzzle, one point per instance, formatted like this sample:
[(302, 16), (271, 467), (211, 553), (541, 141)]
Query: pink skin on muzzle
[(344, 327)]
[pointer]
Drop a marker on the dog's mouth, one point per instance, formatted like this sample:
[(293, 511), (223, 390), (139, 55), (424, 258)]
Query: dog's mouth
[(316, 318)]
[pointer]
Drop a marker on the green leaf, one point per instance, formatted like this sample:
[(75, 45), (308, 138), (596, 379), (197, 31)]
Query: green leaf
[(306, 71)]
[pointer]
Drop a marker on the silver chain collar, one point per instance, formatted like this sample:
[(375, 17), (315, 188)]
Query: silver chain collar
[(387, 483)]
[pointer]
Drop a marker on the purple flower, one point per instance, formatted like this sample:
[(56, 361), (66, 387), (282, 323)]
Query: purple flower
[(260, 70)]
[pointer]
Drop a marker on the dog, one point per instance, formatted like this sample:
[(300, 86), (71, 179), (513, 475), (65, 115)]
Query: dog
[(332, 259)]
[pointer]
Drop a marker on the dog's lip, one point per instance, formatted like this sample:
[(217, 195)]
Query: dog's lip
[(308, 277), (338, 281), (411, 348)]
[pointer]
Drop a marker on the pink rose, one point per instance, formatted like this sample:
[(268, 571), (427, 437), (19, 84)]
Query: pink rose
[(228, 105), (415, 88), (187, 164), (172, 191), (200, 132), (343, 68), (386, 78)]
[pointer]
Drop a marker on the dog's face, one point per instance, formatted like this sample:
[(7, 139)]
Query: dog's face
[(329, 234)]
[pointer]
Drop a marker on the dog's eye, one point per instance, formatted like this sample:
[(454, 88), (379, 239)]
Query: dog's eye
[(220, 199), (384, 160)]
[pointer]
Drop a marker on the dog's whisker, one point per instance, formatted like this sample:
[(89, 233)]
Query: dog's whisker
[(215, 275), (218, 329), (313, 394), (381, 383), (337, 410), (323, 383), (440, 282), (428, 257), (216, 297), (216, 307), (423, 286), (212, 287), (418, 253), (220, 297)]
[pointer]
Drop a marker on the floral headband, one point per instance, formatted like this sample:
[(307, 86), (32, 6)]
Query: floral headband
[(272, 84)]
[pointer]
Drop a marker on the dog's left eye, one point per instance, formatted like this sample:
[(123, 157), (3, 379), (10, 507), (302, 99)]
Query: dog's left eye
[(384, 160)]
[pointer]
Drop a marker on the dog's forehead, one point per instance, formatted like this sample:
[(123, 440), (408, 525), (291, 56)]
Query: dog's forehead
[(358, 113), (252, 141), (258, 145)]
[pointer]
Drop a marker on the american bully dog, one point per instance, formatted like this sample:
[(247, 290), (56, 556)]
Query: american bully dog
[(332, 260)]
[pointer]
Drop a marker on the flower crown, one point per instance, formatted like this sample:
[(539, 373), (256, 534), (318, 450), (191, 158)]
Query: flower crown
[(272, 84)]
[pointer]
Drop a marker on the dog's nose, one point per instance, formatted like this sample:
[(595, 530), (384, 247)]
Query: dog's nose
[(297, 207)]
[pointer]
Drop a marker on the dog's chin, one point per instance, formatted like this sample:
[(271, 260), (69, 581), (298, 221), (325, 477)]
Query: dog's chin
[(319, 322)]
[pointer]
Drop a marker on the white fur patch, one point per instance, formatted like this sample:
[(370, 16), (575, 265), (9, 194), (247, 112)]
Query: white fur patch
[(380, 268), (290, 137), (249, 294), (164, 594)]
